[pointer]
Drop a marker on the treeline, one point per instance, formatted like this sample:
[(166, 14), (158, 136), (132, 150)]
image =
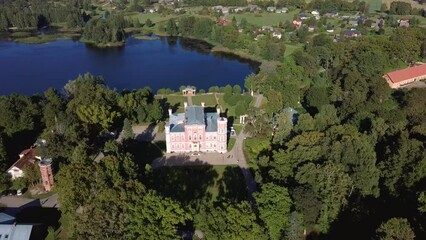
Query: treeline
[(216, 2), (324, 6), (404, 8), (267, 47), (24, 14), (357, 150)]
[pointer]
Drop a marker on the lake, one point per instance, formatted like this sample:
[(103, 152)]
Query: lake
[(164, 63)]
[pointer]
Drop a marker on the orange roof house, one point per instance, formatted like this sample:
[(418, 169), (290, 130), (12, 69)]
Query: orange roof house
[(399, 78)]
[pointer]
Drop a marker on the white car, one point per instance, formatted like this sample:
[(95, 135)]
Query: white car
[(19, 192)]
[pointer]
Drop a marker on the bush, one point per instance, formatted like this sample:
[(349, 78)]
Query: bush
[(165, 91), (214, 89)]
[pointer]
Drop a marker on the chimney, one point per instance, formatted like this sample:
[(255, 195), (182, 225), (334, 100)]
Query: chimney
[(202, 104), (218, 111), (185, 104), (170, 112)]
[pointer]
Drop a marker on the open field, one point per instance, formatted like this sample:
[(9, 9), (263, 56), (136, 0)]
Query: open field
[(262, 19), (374, 5), (208, 99), (192, 184), (155, 17), (290, 48)]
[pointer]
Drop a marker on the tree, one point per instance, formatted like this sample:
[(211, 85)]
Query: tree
[(239, 219), (331, 184), (127, 129), (20, 183), (284, 127), (236, 89), (171, 28), (422, 202), (294, 230), (274, 205), (149, 23), (154, 217), (395, 229)]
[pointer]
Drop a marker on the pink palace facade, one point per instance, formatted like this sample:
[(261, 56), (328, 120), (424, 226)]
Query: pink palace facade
[(196, 131)]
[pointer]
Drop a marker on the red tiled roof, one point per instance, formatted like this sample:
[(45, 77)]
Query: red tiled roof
[(407, 73), (28, 159)]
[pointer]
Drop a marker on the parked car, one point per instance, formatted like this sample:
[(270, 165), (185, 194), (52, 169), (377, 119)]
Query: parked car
[(19, 192)]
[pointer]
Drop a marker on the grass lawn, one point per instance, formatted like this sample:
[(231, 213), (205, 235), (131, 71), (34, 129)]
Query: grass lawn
[(208, 99), (231, 143), (155, 17), (290, 48), (230, 110), (374, 5), (192, 184), (262, 19), (175, 101)]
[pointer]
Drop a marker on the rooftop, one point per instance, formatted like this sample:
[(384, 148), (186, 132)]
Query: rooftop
[(45, 162), (194, 115), (27, 158), (15, 232), (407, 73)]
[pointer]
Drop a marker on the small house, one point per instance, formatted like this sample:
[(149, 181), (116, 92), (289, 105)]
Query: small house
[(223, 22), (267, 28), (353, 23), (27, 158), (332, 14), (297, 23), (303, 16), (404, 22), (277, 34), (271, 9), (311, 29), (281, 10), (253, 8), (353, 33)]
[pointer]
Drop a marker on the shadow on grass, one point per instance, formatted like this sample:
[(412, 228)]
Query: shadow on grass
[(197, 182), (232, 186)]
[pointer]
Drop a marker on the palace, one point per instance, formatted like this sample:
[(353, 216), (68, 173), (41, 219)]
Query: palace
[(196, 131)]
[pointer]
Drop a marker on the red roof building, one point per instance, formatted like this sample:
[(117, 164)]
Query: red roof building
[(27, 158), (399, 78)]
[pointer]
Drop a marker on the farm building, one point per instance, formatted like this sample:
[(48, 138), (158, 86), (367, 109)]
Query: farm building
[(399, 78)]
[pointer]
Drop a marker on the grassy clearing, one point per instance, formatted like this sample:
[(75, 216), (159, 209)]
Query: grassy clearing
[(154, 17), (374, 5), (38, 39), (192, 184), (175, 101), (290, 48), (208, 99), (262, 19)]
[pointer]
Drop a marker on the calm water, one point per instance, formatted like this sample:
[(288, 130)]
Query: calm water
[(164, 63)]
